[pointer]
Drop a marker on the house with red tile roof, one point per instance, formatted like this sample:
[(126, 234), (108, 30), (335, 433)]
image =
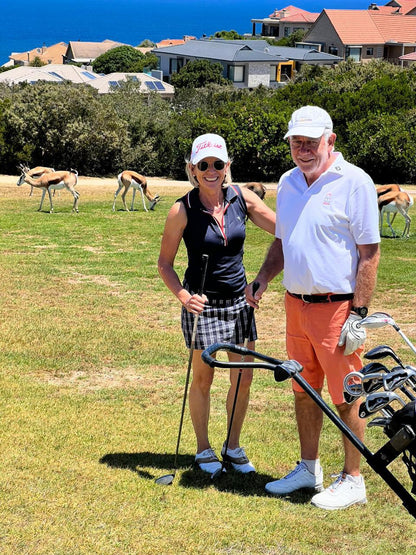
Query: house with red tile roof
[(405, 7), (364, 35), (46, 54), (282, 23)]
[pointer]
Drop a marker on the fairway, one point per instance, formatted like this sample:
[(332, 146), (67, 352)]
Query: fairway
[(93, 366)]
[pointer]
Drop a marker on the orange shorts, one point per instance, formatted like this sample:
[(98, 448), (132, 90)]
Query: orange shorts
[(312, 335)]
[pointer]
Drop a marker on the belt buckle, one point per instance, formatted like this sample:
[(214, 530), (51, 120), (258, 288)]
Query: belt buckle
[(303, 298)]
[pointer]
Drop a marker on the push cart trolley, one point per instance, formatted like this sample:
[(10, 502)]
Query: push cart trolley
[(292, 369)]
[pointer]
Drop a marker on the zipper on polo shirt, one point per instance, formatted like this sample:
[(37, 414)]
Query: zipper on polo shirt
[(220, 225)]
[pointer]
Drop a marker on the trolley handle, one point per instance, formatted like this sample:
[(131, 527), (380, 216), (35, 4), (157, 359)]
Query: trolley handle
[(282, 369)]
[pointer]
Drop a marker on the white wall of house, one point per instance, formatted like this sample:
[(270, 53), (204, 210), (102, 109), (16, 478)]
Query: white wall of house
[(258, 74)]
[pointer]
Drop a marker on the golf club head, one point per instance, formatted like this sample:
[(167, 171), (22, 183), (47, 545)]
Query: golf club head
[(377, 401), (379, 421), (382, 351), (218, 473), (372, 382), (165, 480), (350, 399), (397, 378), (353, 385), (377, 320)]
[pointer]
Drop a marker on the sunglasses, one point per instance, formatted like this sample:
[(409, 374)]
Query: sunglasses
[(203, 166)]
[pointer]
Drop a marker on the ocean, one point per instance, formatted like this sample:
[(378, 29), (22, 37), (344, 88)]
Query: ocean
[(25, 24)]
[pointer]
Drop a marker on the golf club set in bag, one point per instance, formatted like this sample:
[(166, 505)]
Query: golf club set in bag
[(380, 386)]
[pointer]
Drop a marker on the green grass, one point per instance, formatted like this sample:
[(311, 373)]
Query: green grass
[(93, 366)]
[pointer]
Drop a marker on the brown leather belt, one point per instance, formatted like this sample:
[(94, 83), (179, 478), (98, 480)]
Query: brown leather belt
[(325, 298)]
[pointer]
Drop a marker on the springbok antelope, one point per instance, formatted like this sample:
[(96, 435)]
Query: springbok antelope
[(36, 172), (51, 182), (257, 188), (392, 200), (129, 178)]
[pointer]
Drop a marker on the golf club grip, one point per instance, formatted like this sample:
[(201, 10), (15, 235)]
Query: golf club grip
[(205, 259), (255, 287), (200, 292)]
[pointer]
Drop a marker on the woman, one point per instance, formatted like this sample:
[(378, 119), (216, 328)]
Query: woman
[(211, 220)]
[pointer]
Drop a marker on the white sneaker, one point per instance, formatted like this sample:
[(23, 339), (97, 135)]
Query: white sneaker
[(342, 493), (238, 459), (299, 478), (208, 461)]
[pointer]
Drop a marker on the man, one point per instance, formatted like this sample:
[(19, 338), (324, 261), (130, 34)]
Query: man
[(327, 244)]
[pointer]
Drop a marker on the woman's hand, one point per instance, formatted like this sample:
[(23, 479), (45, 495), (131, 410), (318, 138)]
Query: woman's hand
[(195, 303)]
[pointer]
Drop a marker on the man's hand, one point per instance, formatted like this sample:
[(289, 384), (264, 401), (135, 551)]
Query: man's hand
[(352, 334)]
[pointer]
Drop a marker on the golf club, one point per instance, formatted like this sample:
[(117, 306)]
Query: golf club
[(397, 378), (218, 472), (382, 351), (167, 479), (377, 401), (381, 319), (353, 382)]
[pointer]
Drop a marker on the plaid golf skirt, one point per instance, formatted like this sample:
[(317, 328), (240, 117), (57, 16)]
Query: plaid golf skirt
[(222, 321)]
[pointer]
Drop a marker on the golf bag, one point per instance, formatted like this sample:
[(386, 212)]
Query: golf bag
[(401, 440)]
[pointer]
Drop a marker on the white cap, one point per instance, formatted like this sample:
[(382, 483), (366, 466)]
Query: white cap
[(206, 146), (309, 121)]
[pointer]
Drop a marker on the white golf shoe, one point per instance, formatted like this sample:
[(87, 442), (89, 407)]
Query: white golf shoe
[(345, 491), (238, 459), (299, 478), (208, 461)]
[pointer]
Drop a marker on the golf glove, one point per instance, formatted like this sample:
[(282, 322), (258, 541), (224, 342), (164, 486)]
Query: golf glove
[(352, 334)]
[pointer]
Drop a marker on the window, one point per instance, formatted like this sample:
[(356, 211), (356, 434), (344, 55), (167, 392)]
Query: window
[(175, 64), (353, 52), (286, 31), (236, 74), (370, 51), (273, 73), (333, 50)]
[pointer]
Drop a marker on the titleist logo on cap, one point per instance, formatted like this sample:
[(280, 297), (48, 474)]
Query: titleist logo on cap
[(206, 144)]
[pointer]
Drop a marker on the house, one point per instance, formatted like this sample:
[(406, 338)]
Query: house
[(86, 52), (62, 73), (364, 35), (46, 54), (247, 63), (53, 73), (148, 83), (284, 22), (404, 7), (173, 42)]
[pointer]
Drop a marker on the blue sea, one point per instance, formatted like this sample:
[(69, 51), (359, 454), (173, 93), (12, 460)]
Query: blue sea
[(25, 24)]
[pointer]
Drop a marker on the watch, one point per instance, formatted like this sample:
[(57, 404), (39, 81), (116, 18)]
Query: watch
[(360, 310)]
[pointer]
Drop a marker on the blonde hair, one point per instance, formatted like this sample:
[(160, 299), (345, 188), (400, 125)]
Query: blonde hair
[(193, 180)]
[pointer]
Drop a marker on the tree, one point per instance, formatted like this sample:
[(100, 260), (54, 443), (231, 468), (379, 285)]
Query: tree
[(121, 58), (199, 73), (228, 35), (37, 62)]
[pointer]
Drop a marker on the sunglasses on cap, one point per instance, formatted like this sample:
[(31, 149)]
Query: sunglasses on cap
[(203, 166)]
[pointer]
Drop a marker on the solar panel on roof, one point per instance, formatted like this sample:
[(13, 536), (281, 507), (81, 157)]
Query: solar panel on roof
[(56, 74), (89, 75), (150, 85), (113, 83), (159, 85)]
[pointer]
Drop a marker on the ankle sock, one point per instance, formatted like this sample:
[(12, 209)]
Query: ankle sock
[(313, 466)]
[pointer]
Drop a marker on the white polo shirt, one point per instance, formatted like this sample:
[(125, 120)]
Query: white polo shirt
[(321, 225)]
